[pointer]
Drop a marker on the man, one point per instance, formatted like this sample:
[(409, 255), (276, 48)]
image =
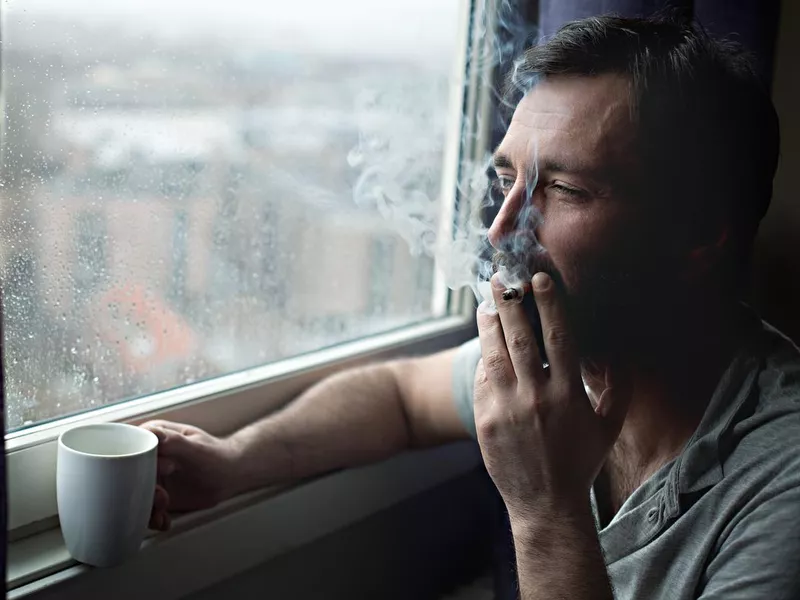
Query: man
[(652, 456)]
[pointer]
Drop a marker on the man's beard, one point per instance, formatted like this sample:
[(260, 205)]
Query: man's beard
[(519, 266), (603, 307)]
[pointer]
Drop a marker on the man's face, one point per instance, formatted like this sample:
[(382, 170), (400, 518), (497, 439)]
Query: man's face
[(568, 171)]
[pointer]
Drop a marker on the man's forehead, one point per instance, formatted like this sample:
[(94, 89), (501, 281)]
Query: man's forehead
[(585, 114)]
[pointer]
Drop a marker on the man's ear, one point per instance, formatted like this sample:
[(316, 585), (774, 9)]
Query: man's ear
[(703, 259)]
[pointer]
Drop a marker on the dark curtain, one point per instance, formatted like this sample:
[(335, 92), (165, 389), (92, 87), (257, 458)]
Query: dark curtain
[(753, 23)]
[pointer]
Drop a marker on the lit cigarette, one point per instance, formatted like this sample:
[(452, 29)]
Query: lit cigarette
[(510, 294), (514, 293)]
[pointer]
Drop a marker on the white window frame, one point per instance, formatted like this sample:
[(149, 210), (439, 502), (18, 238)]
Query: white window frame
[(224, 404)]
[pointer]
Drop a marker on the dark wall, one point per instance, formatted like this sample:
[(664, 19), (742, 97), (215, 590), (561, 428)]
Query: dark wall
[(776, 280), (419, 549)]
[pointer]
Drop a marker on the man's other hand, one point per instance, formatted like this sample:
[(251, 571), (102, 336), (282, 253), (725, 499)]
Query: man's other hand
[(196, 470)]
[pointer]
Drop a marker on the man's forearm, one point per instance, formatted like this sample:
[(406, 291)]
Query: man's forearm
[(559, 555), (352, 418)]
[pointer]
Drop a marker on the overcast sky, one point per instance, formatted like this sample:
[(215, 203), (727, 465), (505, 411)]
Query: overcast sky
[(407, 27)]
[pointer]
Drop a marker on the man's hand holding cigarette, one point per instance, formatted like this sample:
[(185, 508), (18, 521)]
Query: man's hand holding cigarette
[(542, 440)]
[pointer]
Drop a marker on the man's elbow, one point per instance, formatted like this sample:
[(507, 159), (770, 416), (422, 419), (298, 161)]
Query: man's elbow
[(425, 397)]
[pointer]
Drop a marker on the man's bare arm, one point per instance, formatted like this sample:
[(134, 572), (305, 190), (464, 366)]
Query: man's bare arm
[(353, 418), (543, 442)]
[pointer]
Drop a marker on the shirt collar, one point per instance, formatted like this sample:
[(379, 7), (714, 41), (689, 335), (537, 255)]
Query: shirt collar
[(700, 465)]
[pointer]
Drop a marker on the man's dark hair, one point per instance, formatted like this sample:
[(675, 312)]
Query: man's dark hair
[(708, 131)]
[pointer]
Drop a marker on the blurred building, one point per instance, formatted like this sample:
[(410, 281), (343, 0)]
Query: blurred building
[(180, 229)]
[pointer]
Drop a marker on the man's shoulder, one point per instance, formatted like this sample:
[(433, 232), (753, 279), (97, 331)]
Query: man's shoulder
[(768, 427), (779, 378)]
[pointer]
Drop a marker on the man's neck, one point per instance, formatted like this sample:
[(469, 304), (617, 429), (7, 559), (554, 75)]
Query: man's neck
[(673, 378)]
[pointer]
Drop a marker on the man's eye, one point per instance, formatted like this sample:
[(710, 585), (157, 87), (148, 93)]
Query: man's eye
[(568, 191), (503, 184)]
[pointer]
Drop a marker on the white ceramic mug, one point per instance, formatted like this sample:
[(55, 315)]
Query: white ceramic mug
[(106, 477)]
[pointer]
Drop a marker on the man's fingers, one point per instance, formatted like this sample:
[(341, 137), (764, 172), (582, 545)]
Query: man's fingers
[(558, 343), (480, 393), (496, 362), (162, 425), (159, 518), (171, 441), (160, 521), (160, 499), (518, 333), (155, 521), (166, 466)]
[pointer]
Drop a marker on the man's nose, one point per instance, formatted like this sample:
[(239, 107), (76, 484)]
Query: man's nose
[(507, 220)]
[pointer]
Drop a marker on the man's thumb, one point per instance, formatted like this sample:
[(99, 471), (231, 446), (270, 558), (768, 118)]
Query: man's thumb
[(615, 399)]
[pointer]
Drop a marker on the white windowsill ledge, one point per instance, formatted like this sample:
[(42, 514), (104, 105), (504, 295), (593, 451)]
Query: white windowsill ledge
[(208, 547)]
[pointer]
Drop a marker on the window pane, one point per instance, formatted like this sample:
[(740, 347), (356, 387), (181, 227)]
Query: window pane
[(178, 186)]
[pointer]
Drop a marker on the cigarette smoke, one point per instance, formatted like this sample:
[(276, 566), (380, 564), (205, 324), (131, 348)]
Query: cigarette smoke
[(399, 170)]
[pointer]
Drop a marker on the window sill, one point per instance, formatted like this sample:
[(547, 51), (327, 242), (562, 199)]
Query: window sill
[(207, 547), (219, 406)]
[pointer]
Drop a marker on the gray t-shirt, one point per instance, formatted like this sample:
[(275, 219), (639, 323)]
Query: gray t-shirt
[(722, 520)]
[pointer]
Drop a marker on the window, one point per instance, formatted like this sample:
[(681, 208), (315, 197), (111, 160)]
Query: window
[(190, 222), (177, 187)]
